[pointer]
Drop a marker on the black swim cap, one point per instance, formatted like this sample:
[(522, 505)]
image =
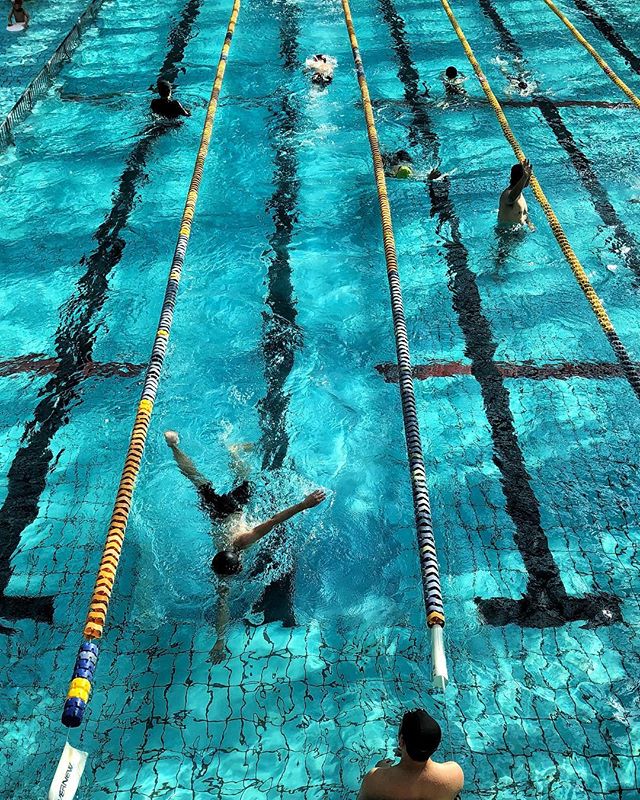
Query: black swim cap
[(451, 73), (226, 562), (164, 88), (402, 155), (421, 734)]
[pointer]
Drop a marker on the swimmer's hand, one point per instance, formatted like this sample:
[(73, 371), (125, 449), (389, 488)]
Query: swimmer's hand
[(218, 653), (241, 447), (171, 438), (527, 169), (314, 499)]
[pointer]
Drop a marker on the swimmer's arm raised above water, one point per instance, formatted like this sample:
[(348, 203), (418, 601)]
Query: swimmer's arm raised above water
[(516, 190), (245, 539)]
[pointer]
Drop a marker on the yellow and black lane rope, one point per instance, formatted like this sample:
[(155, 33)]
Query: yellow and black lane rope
[(426, 542), (595, 54), (80, 687), (630, 369)]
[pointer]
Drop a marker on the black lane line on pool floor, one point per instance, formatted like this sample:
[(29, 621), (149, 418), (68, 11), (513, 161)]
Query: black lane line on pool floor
[(546, 602), (75, 339), (281, 336), (624, 244), (609, 33)]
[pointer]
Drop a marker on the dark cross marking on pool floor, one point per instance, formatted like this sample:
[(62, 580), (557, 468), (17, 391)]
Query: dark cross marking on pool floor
[(624, 244), (281, 334), (74, 341), (609, 33), (39, 364), (545, 602), (564, 370)]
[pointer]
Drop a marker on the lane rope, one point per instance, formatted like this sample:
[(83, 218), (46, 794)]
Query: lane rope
[(595, 54), (80, 688), (429, 569), (629, 368)]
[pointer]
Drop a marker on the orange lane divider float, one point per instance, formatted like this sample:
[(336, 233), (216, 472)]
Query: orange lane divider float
[(629, 368), (82, 678), (429, 568)]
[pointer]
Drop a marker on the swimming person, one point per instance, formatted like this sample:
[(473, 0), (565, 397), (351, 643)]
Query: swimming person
[(232, 532), (165, 105), (453, 82), (398, 164), (416, 775), (513, 208), (19, 14), (321, 67)]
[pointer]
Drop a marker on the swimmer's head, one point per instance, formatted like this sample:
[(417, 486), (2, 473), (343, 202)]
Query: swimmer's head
[(420, 735), (321, 79), (403, 156), (320, 57), (226, 563), (451, 73), (523, 85), (516, 174), (164, 89)]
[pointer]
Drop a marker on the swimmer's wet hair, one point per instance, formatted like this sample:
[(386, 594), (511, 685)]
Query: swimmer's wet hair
[(226, 563), (164, 88), (421, 734), (451, 73), (517, 172)]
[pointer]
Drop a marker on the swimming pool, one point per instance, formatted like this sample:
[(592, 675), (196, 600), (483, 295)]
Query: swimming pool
[(281, 337)]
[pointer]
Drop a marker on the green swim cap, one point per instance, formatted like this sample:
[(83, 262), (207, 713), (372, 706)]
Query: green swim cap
[(404, 172)]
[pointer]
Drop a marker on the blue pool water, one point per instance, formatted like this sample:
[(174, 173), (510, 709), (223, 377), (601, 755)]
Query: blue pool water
[(281, 338)]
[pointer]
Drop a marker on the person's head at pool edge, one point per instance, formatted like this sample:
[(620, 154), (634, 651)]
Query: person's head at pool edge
[(420, 735), (226, 563)]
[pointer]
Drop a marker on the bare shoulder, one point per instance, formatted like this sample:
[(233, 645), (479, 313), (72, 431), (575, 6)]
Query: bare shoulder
[(370, 783), (453, 775)]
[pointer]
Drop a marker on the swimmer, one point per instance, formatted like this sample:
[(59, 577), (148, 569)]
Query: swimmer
[(398, 164), (19, 14), (322, 67), (453, 82), (513, 208), (165, 105), (232, 532), (416, 775)]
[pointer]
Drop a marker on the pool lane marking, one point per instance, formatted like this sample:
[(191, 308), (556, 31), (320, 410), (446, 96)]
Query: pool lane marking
[(563, 370), (424, 526), (610, 34), (281, 335), (625, 245), (613, 76), (39, 85), (38, 364), (631, 371), (545, 602), (105, 580), (75, 339)]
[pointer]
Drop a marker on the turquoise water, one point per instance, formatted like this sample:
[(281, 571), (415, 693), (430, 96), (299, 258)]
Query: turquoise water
[(282, 319)]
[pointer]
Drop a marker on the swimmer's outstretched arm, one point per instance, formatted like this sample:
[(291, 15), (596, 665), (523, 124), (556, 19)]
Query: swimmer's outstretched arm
[(243, 540), (186, 465)]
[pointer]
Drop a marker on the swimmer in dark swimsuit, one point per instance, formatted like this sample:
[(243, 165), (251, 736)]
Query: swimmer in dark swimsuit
[(226, 512), (165, 105), (19, 14), (454, 82)]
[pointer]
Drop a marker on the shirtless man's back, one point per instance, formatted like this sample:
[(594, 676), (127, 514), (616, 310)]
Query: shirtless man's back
[(513, 207), (416, 777)]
